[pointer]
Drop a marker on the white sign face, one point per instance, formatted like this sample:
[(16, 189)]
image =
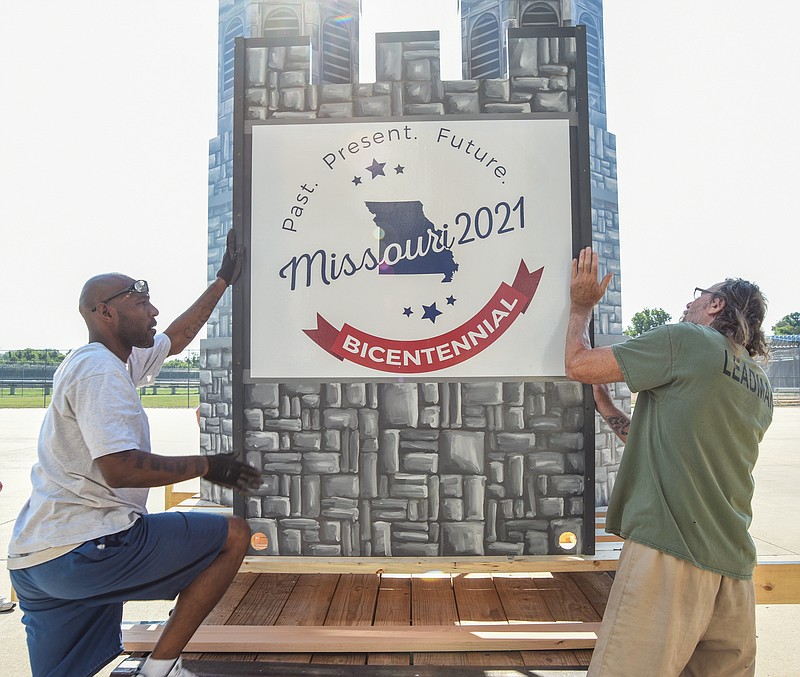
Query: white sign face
[(422, 250)]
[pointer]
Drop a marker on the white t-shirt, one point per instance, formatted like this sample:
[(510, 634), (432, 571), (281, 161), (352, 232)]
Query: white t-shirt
[(95, 411)]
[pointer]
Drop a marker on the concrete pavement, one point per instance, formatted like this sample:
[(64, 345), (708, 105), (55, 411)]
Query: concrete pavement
[(775, 528)]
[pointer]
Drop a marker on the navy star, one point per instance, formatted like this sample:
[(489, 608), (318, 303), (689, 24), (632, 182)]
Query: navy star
[(451, 300), (399, 169), (356, 181), (408, 312), (376, 168), (431, 312)]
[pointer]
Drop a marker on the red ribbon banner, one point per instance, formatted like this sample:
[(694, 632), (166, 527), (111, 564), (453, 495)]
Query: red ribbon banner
[(438, 352)]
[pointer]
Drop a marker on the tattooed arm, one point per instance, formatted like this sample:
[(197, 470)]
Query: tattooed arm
[(616, 419), (134, 468), (185, 327), (183, 330)]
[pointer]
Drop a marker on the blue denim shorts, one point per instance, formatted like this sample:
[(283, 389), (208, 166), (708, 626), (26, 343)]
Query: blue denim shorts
[(72, 605)]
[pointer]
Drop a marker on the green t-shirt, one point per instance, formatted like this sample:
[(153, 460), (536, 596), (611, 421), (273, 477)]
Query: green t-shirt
[(685, 483)]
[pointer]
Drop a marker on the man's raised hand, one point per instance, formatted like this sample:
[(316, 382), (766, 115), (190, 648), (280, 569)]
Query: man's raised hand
[(225, 471), (231, 260), (585, 291)]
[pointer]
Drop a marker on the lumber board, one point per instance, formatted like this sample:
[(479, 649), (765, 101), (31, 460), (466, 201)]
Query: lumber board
[(260, 606), (477, 600), (595, 587), (236, 592), (478, 603), (220, 614), (354, 601), (336, 639), (302, 658), (309, 600), (233, 669), (353, 605), (565, 599), (523, 602), (393, 608), (604, 561), (777, 582), (432, 603), (308, 604), (264, 601)]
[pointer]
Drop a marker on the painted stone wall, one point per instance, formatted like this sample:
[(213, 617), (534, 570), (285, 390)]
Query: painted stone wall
[(416, 469)]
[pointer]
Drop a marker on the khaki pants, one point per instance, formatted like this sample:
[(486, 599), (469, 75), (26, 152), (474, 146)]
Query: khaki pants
[(666, 617)]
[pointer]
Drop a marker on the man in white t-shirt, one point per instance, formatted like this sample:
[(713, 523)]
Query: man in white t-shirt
[(83, 543)]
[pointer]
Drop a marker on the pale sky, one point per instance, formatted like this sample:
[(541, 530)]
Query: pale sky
[(108, 107)]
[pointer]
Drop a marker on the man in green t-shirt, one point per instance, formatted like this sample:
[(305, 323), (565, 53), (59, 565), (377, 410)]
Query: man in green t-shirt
[(683, 601)]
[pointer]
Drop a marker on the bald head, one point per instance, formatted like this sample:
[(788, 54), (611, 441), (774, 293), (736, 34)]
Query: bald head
[(99, 288)]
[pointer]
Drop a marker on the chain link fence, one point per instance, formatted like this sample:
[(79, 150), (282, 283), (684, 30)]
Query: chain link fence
[(28, 382), (783, 368)]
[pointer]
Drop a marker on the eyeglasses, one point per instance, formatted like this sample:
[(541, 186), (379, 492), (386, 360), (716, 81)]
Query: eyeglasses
[(138, 287), (699, 291)]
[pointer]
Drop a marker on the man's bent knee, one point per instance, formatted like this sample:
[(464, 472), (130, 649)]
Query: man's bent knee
[(238, 534)]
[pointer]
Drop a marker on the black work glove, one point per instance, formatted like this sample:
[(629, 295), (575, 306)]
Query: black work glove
[(231, 260), (223, 470)]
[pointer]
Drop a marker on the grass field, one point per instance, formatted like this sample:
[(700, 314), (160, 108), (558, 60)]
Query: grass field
[(33, 398)]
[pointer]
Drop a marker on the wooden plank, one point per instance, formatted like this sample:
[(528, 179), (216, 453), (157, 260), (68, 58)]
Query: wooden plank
[(433, 603), (354, 600), (478, 603), (420, 565), (353, 605), (298, 658), (173, 498), (265, 600), (596, 587), (495, 658), (523, 602), (309, 600), (239, 587), (394, 601), (236, 592), (261, 605), (334, 639), (777, 582), (220, 669), (565, 599), (308, 604), (521, 599), (477, 600), (393, 608), (608, 538)]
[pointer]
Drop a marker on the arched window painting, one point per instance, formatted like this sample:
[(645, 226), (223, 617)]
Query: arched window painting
[(281, 22), (592, 54), (235, 30), (336, 51), (484, 48), (539, 14)]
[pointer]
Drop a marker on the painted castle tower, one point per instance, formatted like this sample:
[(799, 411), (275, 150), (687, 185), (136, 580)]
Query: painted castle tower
[(331, 28)]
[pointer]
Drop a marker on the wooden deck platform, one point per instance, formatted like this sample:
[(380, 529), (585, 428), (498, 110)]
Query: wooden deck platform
[(538, 620), (376, 617)]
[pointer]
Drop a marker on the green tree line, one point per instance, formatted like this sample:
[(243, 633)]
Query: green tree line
[(32, 356)]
